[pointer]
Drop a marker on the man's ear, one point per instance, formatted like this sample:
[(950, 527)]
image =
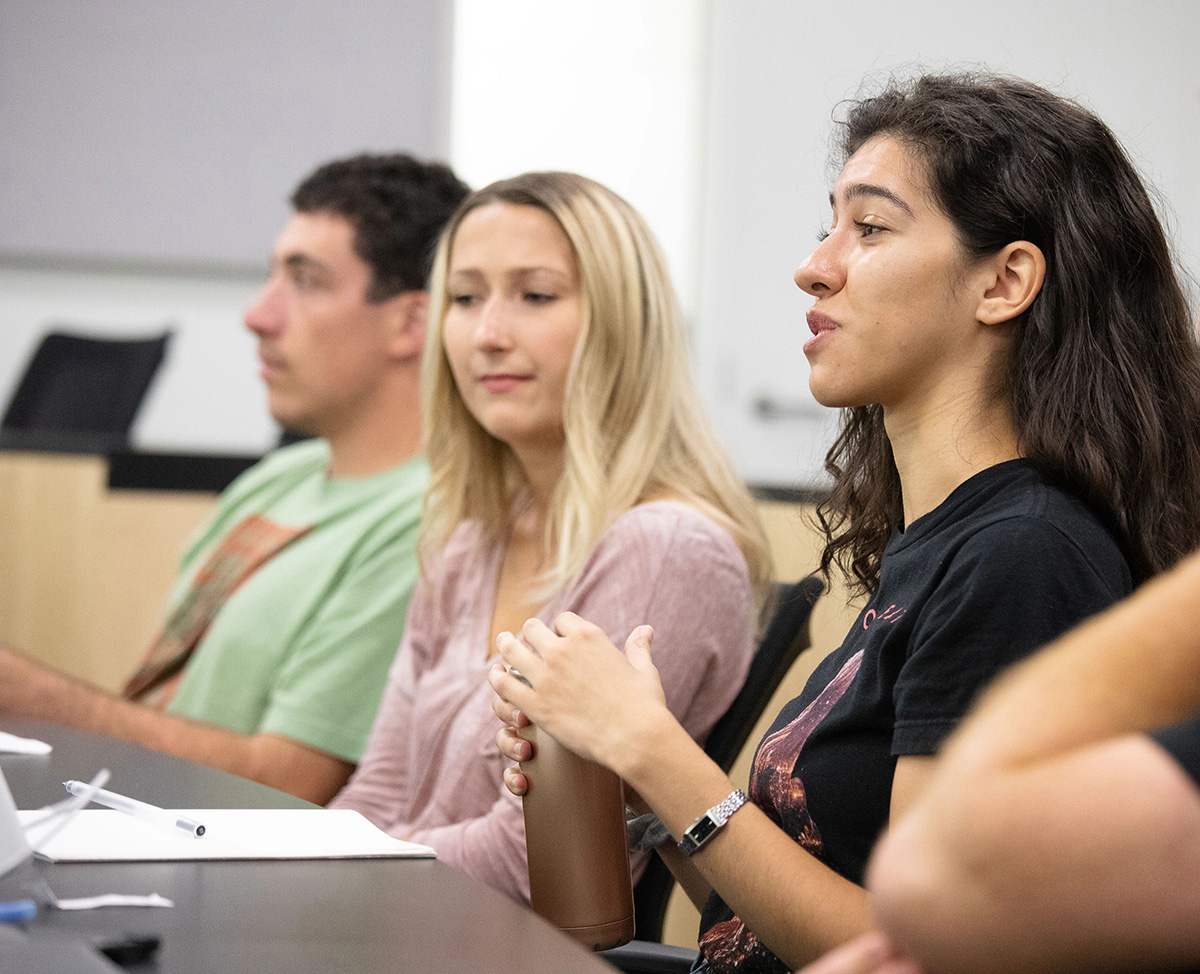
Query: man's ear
[(1015, 276), (407, 322)]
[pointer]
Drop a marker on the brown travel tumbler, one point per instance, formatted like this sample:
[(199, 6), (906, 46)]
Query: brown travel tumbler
[(578, 853)]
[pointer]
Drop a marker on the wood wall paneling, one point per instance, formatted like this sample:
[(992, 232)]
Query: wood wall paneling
[(84, 571)]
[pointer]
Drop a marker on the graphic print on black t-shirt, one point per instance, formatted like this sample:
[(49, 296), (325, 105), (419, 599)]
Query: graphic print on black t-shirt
[(1002, 566), (776, 789)]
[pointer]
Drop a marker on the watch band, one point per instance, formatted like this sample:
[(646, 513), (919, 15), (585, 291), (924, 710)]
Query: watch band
[(711, 822)]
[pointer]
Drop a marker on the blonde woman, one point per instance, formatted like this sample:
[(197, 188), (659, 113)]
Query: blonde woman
[(572, 468)]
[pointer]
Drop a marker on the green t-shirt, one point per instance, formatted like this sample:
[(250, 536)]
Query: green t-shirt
[(303, 646)]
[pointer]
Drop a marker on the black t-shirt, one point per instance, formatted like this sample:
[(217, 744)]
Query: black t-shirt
[(1182, 742), (1005, 564)]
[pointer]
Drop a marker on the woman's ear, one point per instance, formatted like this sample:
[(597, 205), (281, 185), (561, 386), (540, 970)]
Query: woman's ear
[(1017, 272)]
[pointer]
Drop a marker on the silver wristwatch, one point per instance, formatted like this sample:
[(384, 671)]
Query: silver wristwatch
[(708, 824)]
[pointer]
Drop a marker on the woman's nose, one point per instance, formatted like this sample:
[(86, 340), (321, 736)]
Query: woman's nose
[(823, 271), (491, 329)]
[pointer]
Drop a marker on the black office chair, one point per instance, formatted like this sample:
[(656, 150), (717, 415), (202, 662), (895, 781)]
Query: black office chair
[(81, 392), (786, 637)]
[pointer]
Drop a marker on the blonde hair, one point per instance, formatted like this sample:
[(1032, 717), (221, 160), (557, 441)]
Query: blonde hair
[(632, 418)]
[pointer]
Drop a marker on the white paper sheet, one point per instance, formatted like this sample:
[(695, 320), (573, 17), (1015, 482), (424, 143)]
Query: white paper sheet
[(101, 835), (11, 744), (112, 899)]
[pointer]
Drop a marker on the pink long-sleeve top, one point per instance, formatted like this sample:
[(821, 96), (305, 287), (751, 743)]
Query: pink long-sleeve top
[(431, 771)]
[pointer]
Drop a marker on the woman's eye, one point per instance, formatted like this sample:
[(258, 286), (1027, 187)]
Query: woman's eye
[(538, 297), (869, 229), (462, 300), (822, 235)]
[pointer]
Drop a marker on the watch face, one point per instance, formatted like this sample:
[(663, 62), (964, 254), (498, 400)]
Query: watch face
[(702, 830)]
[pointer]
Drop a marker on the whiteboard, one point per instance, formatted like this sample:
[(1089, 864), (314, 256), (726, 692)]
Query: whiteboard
[(172, 131)]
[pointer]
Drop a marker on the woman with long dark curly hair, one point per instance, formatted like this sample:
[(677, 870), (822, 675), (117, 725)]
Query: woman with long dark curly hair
[(1101, 379), (997, 314)]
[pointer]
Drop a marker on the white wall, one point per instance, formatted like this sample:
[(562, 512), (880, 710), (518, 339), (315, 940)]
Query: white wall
[(613, 90), (712, 117), (207, 396), (777, 71)]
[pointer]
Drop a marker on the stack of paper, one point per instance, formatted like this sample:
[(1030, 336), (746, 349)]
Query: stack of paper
[(101, 835)]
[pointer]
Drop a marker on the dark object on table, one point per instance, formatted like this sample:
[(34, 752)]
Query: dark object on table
[(128, 948)]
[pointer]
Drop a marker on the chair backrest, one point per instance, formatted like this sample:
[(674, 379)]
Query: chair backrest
[(84, 385), (786, 637)]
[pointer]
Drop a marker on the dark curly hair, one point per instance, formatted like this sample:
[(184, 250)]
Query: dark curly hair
[(1103, 377), (397, 206)]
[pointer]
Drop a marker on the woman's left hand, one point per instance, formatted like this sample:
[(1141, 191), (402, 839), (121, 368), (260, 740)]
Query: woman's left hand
[(581, 689), (509, 740)]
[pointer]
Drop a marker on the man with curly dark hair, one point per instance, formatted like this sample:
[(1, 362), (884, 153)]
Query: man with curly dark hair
[(291, 598)]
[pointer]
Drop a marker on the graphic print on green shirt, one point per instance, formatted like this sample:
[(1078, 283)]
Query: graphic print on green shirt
[(255, 541)]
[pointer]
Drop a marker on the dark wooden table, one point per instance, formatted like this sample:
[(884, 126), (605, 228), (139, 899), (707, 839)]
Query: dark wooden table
[(360, 916)]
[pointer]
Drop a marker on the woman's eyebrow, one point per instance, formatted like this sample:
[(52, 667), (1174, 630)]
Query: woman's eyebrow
[(535, 269), (515, 276), (858, 190)]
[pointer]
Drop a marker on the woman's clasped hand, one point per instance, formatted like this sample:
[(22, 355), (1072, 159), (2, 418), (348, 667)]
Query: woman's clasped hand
[(581, 689)]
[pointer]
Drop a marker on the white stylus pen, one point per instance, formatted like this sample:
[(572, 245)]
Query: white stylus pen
[(131, 806)]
